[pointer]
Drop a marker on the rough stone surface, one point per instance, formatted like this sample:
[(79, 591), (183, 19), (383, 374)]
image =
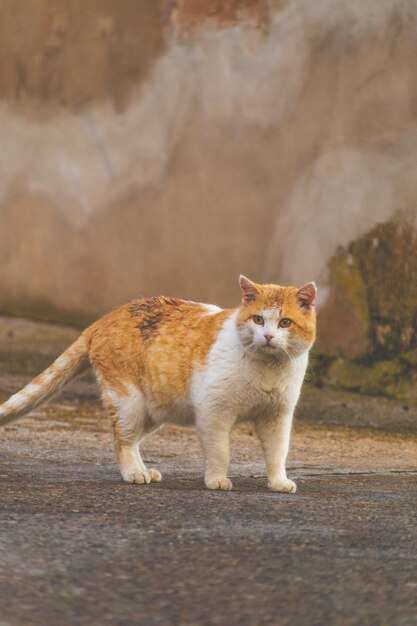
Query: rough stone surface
[(371, 315), (373, 282)]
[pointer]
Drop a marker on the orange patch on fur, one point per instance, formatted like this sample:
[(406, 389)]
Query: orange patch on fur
[(153, 343)]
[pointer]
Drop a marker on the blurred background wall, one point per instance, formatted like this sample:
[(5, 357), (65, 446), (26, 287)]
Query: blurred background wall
[(151, 146)]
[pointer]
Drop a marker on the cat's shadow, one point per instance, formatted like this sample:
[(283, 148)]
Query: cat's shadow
[(241, 485)]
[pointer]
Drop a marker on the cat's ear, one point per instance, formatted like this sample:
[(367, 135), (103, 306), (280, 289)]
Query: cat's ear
[(306, 296), (250, 290)]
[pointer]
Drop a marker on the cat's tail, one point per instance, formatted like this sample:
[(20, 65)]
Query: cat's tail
[(71, 363)]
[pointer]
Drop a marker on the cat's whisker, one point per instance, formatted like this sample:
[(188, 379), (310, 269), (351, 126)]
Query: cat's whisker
[(251, 350), (287, 353)]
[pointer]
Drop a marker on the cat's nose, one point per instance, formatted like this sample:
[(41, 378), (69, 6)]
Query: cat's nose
[(268, 337)]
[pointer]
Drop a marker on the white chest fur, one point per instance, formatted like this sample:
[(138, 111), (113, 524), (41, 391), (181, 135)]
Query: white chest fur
[(232, 382)]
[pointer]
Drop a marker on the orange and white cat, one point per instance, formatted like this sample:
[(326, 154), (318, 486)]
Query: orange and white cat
[(160, 360)]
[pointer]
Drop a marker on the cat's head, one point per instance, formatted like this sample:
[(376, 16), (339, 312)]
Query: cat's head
[(274, 320)]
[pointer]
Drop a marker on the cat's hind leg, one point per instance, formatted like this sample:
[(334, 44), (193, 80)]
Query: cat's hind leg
[(130, 425)]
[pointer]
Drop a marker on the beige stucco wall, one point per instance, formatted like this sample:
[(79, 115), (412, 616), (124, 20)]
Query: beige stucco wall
[(165, 147)]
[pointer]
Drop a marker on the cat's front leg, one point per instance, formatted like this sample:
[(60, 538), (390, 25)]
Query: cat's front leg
[(274, 434), (214, 435)]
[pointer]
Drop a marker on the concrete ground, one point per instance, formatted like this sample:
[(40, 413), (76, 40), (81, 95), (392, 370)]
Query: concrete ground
[(77, 546)]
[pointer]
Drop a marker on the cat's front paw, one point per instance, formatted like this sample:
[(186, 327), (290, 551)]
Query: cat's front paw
[(156, 476), (224, 484), (140, 477), (285, 485)]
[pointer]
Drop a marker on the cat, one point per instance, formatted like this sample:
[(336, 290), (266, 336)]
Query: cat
[(161, 359)]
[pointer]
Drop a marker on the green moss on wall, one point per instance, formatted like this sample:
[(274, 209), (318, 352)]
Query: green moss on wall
[(385, 261), (392, 378), (377, 276), (346, 276)]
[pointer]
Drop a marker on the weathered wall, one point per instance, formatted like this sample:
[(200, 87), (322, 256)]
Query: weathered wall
[(153, 147)]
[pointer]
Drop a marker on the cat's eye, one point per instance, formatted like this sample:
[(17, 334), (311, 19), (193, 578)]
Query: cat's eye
[(285, 322), (258, 319)]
